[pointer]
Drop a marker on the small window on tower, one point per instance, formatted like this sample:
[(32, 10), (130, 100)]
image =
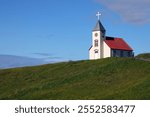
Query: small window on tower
[(96, 34), (96, 43), (96, 51)]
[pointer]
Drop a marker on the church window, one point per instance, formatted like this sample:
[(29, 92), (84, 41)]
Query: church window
[(96, 43), (121, 53), (114, 53), (129, 54), (96, 34), (96, 51)]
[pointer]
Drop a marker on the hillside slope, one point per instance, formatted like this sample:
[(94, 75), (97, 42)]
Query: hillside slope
[(144, 56), (110, 78)]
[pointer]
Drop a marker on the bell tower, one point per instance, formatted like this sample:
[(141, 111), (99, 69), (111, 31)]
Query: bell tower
[(98, 35)]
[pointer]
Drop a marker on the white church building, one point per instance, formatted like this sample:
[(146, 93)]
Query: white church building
[(103, 46)]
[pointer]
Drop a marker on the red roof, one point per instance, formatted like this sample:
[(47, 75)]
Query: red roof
[(117, 43)]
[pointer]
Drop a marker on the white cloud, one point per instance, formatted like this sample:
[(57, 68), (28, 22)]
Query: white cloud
[(44, 54), (133, 11), (49, 57)]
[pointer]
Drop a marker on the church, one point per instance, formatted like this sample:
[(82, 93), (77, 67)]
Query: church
[(104, 46)]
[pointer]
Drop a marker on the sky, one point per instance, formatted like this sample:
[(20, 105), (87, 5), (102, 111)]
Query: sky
[(60, 30)]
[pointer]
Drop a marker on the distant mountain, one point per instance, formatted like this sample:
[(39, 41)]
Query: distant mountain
[(12, 61)]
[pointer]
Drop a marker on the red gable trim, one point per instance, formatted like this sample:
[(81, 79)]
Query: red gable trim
[(118, 43)]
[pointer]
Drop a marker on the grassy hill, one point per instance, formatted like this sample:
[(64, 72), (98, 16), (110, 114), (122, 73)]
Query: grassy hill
[(144, 56), (110, 78)]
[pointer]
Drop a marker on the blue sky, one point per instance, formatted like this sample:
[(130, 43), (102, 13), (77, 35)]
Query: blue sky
[(61, 29)]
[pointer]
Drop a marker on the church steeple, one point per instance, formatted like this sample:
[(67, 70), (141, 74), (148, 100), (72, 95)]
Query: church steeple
[(98, 37), (99, 27)]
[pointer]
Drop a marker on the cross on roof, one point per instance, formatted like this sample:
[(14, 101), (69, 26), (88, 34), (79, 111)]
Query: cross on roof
[(98, 15)]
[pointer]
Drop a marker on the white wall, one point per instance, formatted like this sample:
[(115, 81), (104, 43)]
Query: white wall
[(107, 51), (91, 54)]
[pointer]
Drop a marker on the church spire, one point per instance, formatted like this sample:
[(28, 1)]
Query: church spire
[(99, 26)]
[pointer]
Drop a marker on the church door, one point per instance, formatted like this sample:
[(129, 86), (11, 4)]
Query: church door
[(96, 54)]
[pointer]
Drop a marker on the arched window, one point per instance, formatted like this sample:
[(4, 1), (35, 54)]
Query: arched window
[(96, 51), (96, 43)]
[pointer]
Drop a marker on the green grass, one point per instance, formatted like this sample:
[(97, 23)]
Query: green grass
[(110, 78), (144, 56)]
